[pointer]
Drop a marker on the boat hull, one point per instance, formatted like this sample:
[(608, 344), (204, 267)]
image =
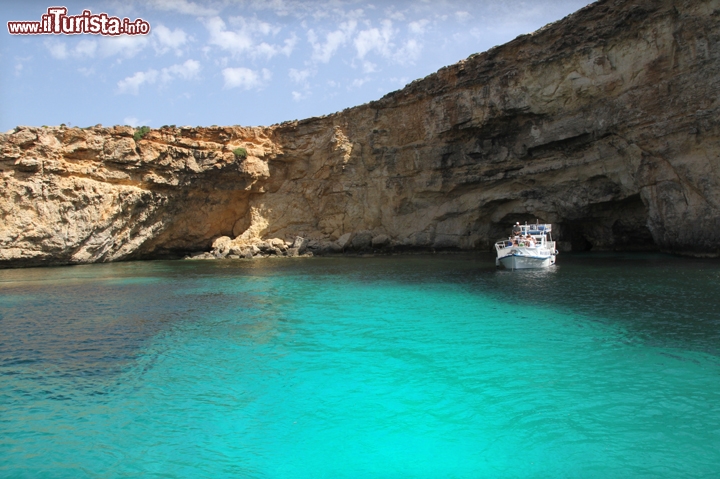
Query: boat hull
[(516, 261)]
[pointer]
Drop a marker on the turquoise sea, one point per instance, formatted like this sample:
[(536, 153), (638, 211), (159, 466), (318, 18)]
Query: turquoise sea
[(605, 366)]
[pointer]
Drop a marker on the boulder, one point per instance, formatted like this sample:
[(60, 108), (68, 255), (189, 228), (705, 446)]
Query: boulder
[(362, 240), (332, 247), (324, 247), (344, 240), (301, 244), (278, 243), (264, 246), (203, 255), (221, 247), (380, 241)]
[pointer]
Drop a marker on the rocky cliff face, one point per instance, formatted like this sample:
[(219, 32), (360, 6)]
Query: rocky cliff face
[(605, 124)]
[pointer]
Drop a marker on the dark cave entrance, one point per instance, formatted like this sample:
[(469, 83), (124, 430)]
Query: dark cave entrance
[(609, 226)]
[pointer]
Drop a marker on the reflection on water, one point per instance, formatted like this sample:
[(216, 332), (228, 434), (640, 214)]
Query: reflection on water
[(413, 366)]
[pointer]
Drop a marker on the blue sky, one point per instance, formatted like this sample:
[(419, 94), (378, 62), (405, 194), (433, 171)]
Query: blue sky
[(243, 62)]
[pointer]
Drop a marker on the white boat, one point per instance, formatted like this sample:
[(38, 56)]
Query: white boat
[(529, 246)]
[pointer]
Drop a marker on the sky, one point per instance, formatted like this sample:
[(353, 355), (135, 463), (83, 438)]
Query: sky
[(242, 62)]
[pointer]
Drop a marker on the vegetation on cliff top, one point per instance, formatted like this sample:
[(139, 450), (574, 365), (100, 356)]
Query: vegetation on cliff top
[(141, 132)]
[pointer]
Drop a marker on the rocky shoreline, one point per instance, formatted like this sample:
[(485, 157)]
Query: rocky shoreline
[(361, 243)]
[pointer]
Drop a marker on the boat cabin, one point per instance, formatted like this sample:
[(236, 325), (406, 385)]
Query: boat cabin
[(540, 233)]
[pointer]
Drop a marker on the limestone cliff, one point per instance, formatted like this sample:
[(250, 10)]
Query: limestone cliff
[(604, 124)]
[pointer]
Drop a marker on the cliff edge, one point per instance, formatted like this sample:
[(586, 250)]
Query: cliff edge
[(605, 124)]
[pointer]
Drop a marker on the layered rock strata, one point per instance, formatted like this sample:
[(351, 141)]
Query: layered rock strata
[(604, 124)]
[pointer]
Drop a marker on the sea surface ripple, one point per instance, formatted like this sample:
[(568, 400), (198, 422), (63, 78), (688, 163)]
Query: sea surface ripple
[(607, 365)]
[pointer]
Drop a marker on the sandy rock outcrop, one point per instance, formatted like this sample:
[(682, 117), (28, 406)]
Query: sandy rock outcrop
[(605, 124), (73, 195)]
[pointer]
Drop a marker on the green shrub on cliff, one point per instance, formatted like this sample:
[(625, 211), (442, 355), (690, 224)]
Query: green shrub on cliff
[(141, 132), (240, 153)]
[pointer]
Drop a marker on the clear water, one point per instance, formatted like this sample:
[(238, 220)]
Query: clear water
[(404, 367)]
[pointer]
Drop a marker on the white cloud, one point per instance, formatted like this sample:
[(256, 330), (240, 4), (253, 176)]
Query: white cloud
[(245, 78), (369, 67), (86, 48), (358, 82), (254, 26), (124, 45), (133, 83), (270, 51), (278, 6), (244, 40), (299, 76), (409, 52), (20, 64), (284, 8), (298, 96), (418, 28), (167, 39), (187, 71), (182, 6), (375, 39), (289, 45), (380, 41), (323, 51), (463, 16), (134, 122), (57, 49), (120, 8), (236, 42)]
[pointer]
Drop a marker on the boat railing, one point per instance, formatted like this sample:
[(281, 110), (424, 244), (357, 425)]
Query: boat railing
[(503, 244), (536, 229), (509, 244), (540, 232)]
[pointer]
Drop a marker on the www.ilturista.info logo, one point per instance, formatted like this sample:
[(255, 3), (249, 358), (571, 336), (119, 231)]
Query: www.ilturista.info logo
[(57, 22)]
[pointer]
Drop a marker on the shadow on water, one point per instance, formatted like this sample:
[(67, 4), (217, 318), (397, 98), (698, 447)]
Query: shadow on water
[(87, 323)]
